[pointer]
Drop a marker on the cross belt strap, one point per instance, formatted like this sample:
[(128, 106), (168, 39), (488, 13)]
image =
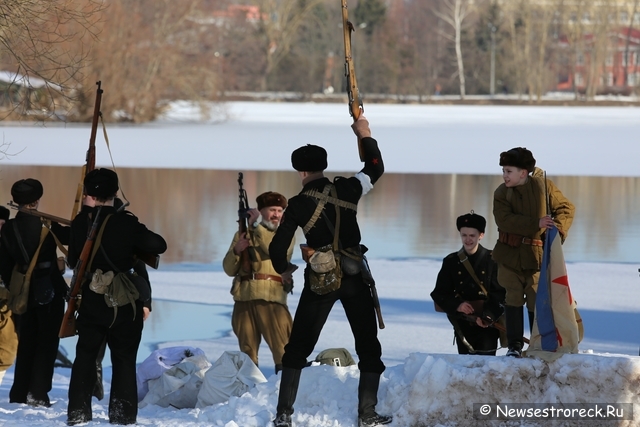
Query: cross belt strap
[(464, 259)]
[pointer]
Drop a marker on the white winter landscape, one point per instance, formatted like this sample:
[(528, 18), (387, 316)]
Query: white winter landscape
[(426, 383)]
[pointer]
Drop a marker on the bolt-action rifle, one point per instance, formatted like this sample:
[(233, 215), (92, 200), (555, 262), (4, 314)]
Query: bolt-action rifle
[(355, 101), (368, 279), (247, 256)]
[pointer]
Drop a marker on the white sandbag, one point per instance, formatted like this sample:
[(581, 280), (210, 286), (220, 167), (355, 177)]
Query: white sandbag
[(158, 362), (233, 374), (178, 386)]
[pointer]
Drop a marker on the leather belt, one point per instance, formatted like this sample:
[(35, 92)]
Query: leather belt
[(39, 266), (532, 242), (260, 276)]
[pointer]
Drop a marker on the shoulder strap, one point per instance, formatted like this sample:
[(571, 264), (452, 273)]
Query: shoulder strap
[(58, 244), (319, 207), (20, 244), (32, 264), (98, 241), (464, 259)]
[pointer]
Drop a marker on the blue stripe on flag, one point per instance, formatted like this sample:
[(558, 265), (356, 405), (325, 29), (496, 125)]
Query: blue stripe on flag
[(544, 312)]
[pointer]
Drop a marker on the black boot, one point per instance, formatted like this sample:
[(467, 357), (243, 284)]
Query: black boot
[(288, 389), (515, 328), (531, 319), (367, 401)]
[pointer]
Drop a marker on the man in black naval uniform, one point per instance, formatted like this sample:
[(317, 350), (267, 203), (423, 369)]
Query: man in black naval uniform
[(122, 237), (310, 161), (458, 293), (38, 327)]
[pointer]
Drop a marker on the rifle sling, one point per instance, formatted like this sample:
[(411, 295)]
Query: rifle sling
[(464, 259), (96, 245), (320, 206)]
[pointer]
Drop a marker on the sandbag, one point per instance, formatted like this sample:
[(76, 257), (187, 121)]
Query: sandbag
[(158, 362), (178, 386), (233, 374)]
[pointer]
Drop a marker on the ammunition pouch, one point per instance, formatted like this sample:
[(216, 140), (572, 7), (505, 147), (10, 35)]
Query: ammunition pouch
[(351, 261), (325, 272)]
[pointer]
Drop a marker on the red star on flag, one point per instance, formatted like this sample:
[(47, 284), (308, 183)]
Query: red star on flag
[(374, 161)]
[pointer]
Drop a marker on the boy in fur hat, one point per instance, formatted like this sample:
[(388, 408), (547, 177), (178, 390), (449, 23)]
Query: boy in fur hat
[(520, 207), (471, 299), (260, 293)]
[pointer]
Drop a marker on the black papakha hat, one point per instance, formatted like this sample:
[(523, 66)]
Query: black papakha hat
[(26, 191), (309, 158), (101, 183), (519, 157), (4, 213), (472, 220), (271, 198)]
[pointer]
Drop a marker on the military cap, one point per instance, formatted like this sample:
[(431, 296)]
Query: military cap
[(519, 157), (271, 198), (309, 158), (472, 220), (26, 191), (101, 183), (4, 213)]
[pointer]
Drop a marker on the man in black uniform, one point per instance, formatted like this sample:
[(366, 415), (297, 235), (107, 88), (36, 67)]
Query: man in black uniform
[(123, 235), (38, 327), (467, 298), (313, 309)]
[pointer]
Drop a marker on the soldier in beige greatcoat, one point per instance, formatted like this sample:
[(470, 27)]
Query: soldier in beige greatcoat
[(259, 292), (520, 211)]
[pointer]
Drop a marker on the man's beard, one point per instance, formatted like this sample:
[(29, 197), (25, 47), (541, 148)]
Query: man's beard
[(269, 225)]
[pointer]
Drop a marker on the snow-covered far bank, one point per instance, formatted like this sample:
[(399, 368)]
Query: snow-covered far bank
[(425, 384), (447, 139)]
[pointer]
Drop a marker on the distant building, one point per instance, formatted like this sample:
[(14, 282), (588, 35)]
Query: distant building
[(619, 72)]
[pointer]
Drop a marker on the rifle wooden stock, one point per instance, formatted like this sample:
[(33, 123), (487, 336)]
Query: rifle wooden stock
[(68, 327), (493, 324), (353, 93), (36, 212), (90, 161)]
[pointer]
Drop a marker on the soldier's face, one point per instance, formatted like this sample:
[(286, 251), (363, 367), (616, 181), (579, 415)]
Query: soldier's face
[(272, 214), (470, 239), (514, 176)]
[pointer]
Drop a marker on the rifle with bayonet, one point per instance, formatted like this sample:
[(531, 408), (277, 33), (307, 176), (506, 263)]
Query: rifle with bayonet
[(90, 162), (353, 93)]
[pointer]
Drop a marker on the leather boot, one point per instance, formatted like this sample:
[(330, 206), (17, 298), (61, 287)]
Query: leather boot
[(531, 319), (288, 389), (367, 401), (515, 329)]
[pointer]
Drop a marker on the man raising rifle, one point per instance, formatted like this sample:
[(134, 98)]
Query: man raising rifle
[(326, 211)]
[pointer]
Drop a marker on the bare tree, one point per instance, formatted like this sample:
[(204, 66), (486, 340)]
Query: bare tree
[(454, 12), (43, 45)]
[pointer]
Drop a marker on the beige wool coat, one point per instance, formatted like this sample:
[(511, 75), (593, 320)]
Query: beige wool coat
[(249, 290)]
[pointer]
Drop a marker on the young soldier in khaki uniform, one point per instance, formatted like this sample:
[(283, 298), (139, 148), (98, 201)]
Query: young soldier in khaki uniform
[(260, 293), (520, 207)]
